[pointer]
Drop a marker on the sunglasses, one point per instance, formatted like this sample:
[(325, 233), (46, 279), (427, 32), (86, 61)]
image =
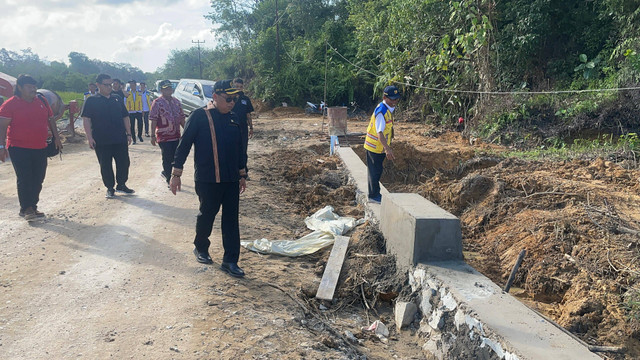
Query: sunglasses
[(230, 98)]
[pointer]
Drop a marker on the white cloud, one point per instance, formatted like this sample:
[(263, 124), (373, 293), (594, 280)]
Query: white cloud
[(141, 32), (165, 35), (203, 35)]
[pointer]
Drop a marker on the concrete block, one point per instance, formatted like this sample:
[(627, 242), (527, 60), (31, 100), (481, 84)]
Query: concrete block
[(425, 300), (418, 231), (405, 313), (432, 348), (449, 302), (435, 320), (497, 324)]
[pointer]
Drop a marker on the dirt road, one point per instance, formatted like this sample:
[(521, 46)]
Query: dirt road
[(116, 278)]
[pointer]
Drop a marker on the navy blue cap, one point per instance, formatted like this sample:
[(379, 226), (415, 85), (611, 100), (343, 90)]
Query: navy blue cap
[(392, 92), (165, 84), (224, 87)]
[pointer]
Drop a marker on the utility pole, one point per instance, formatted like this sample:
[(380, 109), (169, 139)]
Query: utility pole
[(277, 39), (199, 62)]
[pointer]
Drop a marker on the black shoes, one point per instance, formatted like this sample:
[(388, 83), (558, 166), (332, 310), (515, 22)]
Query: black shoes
[(140, 138), (146, 134), (30, 214), (39, 214), (202, 256), (111, 193), (124, 189), (232, 269)]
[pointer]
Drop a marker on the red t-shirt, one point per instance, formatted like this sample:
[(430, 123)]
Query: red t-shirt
[(29, 124)]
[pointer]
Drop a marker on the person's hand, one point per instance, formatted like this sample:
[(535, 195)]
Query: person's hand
[(153, 140), (129, 139), (243, 185), (389, 153), (250, 133), (92, 143), (3, 155), (175, 184), (58, 143)]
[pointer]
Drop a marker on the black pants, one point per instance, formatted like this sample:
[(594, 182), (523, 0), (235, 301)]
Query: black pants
[(374, 171), (168, 152), (145, 119), (30, 166), (133, 118), (212, 196), (106, 155)]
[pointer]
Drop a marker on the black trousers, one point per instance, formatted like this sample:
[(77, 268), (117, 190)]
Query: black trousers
[(145, 119), (30, 166), (106, 155), (374, 171), (133, 118), (168, 152), (212, 196)]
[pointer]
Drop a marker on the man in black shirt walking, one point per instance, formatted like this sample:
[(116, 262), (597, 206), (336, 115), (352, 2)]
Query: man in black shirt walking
[(243, 108), (220, 173), (117, 88), (106, 122)]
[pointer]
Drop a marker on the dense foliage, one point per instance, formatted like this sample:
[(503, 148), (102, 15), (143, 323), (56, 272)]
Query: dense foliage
[(448, 56), (58, 76), (465, 46)]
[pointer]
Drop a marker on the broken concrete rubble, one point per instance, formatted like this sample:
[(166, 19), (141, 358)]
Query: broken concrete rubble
[(405, 313)]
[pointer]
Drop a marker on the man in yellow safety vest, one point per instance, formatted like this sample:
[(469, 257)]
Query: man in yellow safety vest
[(376, 144)]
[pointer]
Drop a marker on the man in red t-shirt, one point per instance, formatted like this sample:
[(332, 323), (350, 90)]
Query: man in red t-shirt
[(24, 120), (166, 118)]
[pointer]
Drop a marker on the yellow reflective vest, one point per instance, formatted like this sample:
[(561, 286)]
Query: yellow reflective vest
[(371, 142), (134, 101)]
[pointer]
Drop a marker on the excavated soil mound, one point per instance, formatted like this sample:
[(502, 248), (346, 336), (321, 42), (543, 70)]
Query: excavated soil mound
[(579, 221)]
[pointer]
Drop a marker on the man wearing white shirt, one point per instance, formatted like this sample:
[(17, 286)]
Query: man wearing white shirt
[(146, 105)]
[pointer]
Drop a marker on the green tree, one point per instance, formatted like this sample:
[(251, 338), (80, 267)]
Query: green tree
[(81, 63), (78, 82)]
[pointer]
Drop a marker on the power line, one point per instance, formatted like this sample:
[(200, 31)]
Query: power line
[(485, 92)]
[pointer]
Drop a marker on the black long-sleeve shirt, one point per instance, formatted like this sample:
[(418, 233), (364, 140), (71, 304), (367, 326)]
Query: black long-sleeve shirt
[(231, 155)]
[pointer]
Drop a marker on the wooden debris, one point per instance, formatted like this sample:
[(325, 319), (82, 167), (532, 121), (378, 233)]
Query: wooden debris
[(332, 270)]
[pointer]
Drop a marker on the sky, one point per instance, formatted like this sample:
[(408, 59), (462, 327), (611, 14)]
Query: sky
[(139, 32)]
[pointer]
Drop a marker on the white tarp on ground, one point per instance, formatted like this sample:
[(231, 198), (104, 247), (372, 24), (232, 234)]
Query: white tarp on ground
[(325, 223)]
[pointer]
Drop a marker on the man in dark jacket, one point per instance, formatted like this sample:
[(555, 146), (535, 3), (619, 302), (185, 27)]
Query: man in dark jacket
[(220, 161), (243, 108)]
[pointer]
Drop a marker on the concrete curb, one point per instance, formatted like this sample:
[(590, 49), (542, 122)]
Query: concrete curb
[(464, 314)]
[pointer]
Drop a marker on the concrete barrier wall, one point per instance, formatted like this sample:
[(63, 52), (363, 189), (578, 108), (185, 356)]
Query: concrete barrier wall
[(463, 314), (417, 230)]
